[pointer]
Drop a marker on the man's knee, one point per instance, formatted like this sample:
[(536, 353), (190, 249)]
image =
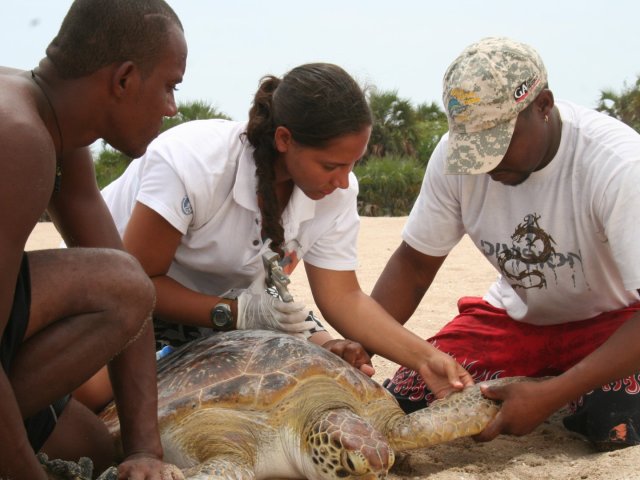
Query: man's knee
[(132, 292)]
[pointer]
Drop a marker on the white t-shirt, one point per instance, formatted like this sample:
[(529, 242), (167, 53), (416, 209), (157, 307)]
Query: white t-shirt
[(200, 177), (566, 242)]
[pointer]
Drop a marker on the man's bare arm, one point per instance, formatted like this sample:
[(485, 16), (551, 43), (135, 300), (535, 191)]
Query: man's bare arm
[(27, 160), (84, 220), (404, 281), (78, 209)]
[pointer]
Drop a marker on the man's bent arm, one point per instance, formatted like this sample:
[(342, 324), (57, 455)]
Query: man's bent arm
[(404, 281), (78, 209), (84, 220)]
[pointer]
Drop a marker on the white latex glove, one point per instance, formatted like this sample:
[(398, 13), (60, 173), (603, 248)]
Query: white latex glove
[(258, 310)]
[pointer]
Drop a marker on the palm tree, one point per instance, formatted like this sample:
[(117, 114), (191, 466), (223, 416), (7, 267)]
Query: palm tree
[(624, 106), (432, 124), (394, 128)]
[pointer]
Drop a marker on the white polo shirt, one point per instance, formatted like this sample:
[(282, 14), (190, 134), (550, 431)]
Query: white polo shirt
[(200, 177)]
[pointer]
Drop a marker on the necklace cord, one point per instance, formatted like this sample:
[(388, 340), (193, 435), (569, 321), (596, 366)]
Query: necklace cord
[(58, 177)]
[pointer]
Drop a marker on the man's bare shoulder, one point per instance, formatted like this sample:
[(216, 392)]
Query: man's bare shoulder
[(21, 116), (25, 139), (10, 71), (17, 95)]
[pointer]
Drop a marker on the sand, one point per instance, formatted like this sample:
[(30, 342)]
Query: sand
[(550, 452)]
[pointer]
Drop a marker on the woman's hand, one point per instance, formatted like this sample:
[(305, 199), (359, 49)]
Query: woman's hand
[(353, 353), (257, 309), (443, 375)]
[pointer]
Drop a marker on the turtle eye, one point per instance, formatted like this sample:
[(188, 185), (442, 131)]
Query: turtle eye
[(354, 463)]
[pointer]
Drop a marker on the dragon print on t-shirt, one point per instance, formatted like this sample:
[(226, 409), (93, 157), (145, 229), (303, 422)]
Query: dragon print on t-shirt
[(532, 256)]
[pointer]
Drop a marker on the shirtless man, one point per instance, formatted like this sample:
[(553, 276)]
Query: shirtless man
[(109, 73)]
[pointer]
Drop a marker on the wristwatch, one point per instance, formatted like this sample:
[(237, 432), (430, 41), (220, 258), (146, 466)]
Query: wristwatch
[(221, 317)]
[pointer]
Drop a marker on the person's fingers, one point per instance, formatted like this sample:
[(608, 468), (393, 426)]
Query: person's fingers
[(354, 354), (465, 377), (453, 375), (367, 369), (491, 431), (289, 307), (494, 393), (297, 326)]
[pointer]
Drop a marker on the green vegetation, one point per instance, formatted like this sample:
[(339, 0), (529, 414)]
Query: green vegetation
[(625, 106), (402, 140), (388, 185), (402, 130)]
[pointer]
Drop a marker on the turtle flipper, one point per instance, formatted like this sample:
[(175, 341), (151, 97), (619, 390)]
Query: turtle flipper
[(57, 469), (461, 414), (220, 469), (110, 473)]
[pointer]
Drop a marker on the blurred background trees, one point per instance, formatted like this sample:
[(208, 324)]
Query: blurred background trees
[(625, 105)]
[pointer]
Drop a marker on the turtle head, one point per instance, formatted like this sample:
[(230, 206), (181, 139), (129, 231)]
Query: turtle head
[(342, 445)]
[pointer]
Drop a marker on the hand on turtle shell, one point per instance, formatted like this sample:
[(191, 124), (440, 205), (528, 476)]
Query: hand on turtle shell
[(258, 310), (144, 467), (353, 353), (443, 375)]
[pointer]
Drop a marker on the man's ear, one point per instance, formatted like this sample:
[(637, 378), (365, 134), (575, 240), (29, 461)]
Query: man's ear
[(282, 139), (124, 77), (545, 101)]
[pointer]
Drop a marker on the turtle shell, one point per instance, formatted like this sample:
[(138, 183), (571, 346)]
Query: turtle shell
[(255, 370)]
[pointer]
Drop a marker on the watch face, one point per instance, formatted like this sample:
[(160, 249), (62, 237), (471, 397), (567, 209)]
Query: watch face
[(221, 317)]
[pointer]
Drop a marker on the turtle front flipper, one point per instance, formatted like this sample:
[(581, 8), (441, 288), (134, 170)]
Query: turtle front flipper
[(461, 414), (220, 469), (57, 469)]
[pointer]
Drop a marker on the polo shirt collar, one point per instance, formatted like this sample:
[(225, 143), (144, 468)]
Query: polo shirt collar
[(245, 186), (299, 209)]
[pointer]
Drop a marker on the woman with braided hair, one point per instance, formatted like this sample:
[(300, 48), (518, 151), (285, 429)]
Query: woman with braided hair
[(210, 197)]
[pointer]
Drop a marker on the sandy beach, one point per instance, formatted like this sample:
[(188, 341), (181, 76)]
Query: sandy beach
[(549, 453)]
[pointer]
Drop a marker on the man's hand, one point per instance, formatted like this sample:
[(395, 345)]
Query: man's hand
[(525, 405), (144, 467), (443, 375), (352, 353)]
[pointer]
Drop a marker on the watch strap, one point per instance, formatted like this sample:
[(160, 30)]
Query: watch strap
[(231, 294)]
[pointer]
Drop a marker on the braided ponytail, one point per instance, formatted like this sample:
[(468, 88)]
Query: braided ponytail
[(260, 131), (317, 103)]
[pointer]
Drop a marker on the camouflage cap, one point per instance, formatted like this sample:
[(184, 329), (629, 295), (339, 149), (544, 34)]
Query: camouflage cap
[(484, 90)]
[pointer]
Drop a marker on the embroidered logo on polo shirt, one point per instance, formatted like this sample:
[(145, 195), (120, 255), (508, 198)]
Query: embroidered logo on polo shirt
[(186, 206)]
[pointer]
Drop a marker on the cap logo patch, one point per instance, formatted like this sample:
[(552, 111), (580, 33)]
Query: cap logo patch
[(524, 88), (459, 101)]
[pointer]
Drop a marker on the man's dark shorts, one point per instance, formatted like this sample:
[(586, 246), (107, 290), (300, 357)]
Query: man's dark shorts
[(40, 425)]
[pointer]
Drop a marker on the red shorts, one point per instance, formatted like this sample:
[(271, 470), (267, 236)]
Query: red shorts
[(489, 344)]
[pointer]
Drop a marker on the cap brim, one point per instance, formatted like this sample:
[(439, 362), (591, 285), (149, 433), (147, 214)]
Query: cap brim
[(478, 152)]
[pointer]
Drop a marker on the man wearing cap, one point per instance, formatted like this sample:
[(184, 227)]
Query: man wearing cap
[(548, 192)]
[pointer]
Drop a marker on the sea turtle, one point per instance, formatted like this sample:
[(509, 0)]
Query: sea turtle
[(258, 404)]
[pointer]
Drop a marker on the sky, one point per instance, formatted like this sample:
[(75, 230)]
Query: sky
[(402, 45)]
